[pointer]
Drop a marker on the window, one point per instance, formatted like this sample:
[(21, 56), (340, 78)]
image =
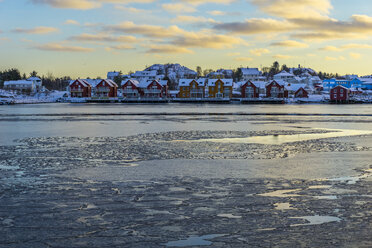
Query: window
[(335, 95), (342, 91)]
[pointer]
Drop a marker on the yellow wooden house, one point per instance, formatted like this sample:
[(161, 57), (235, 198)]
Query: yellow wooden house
[(220, 88), (192, 88)]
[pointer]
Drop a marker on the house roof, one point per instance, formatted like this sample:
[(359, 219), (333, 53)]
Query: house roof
[(109, 82), (33, 79), (226, 81), (250, 71), (82, 81), (145, 84), (284, 74), (186, 82), (133, 81), (6, 83)]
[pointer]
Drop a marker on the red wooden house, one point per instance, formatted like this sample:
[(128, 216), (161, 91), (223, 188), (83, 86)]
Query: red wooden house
[(339, 94), (131, 89), (250, 90), (276, 90), (80, 88), (301, 93), (106, 88), (151, 89)]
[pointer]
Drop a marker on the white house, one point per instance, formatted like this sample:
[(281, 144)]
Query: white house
[(287, 77), (112, 75), (252, 74), (32, 85)]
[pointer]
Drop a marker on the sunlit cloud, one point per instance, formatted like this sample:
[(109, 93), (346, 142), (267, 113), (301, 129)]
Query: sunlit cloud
[(192, 19), (168, 49), (259, 51), (36, 30), (84, 4), (56, 47), (119, 47), (178, 8), (282, 56), (290, 44), (355, 55), (71, 22), (145, 30), (104, 38)]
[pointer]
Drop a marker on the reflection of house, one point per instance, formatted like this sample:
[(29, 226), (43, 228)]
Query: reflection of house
[(220, 88), (250, 90), (130, 88), (192, 88), (276, 90), (106, 88), (80, 88), (32, 84), (339, 94)]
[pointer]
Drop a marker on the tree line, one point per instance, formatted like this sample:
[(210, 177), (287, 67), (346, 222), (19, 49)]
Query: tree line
[(49, 81)]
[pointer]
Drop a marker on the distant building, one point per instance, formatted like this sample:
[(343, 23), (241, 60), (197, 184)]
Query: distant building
[(106, 88), (250, 90), (285, 76), (220, 88), (191, 88), (339, 94), (113, 74), (276, 89), (31, 85), (328, 84), (80, 88), (130, 88), (252, 74)]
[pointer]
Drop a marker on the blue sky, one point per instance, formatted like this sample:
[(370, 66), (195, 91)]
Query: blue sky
[(84, 38)]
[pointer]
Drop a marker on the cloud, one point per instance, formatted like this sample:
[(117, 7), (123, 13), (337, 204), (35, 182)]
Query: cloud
[(207, 40), (36, 30), (355, 55), (169, 49), (198, 2), (69, 4), (84, 4), (328, 58), (104, 38), (290, 43), (131, 9), (345, 47), (259, 51), (55, 47), (71, 22), (178, 8), (330, 48), (192, 19), (119, 47), (216, 13), (282, 56), (255, 26), (294, 8), (145, 30)]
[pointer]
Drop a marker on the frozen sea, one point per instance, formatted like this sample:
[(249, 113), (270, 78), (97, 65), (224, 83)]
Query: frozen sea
[(148, 175)]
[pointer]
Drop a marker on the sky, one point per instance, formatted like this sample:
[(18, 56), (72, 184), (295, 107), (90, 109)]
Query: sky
[(88, 38)]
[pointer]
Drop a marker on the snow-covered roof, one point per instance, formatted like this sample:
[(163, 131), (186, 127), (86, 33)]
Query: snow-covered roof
[(250, 71), (133, 81), (296, 87), (33, 79), (163, 82), (186, 82), (109, 82), (258, 84), (18, 82), (226, 81), (145, 84), (112, 74), (82, 81), (284, 74)]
